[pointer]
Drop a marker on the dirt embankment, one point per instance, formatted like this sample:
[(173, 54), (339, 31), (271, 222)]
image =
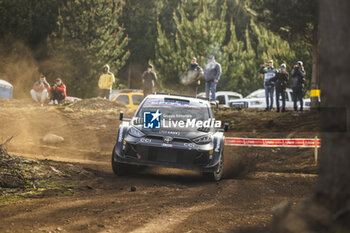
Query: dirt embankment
[(88, 131)]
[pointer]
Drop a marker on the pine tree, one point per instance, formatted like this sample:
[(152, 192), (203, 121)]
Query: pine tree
[(297, 22), (242, 60), (200, 31), (233, 64), (90, 36)]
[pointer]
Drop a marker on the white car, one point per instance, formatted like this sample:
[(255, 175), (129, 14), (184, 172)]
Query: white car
[(257, 99), (224, 97)]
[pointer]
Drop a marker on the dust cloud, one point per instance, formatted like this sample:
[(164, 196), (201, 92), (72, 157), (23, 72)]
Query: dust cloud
[(18, 66)]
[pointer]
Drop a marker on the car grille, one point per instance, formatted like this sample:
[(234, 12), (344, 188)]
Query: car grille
[(168, 155), (241, 104), (175, 139)]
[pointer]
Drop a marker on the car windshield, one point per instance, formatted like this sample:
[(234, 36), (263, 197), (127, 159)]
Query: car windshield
[(175, 110), (256, 94), (233, 97)]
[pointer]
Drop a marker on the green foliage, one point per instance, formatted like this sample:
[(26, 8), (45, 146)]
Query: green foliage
[(30, 21), (294, 20), (73, 39), (88, 36), (242, 60), (200, 31), (139, 19)]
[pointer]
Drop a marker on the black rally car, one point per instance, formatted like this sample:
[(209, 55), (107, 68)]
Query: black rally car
[(171, 131)]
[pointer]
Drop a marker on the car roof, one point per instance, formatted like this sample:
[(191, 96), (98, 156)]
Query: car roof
[(263, 90), (4, 83), (228, 92), (127, 91), (223, 93)]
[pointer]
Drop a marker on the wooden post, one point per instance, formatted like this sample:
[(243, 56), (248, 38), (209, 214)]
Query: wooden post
[(316, 151)]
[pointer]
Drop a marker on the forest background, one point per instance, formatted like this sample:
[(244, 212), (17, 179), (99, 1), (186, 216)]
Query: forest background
[(73, 39)]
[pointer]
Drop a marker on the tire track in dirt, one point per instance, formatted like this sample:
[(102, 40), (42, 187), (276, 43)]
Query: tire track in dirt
[(169, 222)]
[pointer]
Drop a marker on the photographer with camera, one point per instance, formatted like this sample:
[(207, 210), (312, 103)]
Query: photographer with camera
[(269, 72), (280, 80), (58, 92), (192, 77), (298, 79), (40, 89)]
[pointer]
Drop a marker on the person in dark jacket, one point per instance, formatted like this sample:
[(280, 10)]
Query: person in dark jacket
[(192, 75), (58, 92), (149, 78), (298, 79), (269, 72), (280, 80), (212, 72)]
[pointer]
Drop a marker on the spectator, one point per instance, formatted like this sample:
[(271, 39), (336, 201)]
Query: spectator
[(269, 72), (58, 92), (298, 75), (149, 78), (212, 72), (193, 75), (105, 82), (39, 91), (280, 80)]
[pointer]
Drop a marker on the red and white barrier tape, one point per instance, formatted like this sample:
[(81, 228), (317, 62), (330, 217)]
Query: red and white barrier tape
[(259, 142)]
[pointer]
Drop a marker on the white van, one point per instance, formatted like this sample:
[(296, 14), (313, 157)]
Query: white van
[(224, 97), (257, 99)]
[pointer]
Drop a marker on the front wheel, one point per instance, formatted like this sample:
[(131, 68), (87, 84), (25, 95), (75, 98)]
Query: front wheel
[(119, 169), (216, 175)]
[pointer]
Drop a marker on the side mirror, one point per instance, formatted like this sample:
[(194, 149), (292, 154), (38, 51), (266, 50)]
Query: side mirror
[(226, 127), (121, 115)]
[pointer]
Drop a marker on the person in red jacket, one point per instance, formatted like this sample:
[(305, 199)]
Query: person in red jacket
[(58, 92)]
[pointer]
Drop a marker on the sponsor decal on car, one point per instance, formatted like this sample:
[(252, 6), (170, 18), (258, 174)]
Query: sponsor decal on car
[(167, 145), (145, 140), (191, 145), (217, 148), (120, 136), (169, 132), (173, 103)]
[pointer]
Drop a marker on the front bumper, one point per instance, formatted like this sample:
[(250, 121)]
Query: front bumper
[(184, 155)]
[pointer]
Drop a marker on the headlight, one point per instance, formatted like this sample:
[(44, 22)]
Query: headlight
[(135, 132), (203, 139)]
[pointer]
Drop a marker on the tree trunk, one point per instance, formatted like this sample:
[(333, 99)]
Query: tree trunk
[(334, 178), (315, 67), (129, 75)]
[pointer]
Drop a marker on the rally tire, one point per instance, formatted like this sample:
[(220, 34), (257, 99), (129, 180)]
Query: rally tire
[(119, 169), (218, 174)]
